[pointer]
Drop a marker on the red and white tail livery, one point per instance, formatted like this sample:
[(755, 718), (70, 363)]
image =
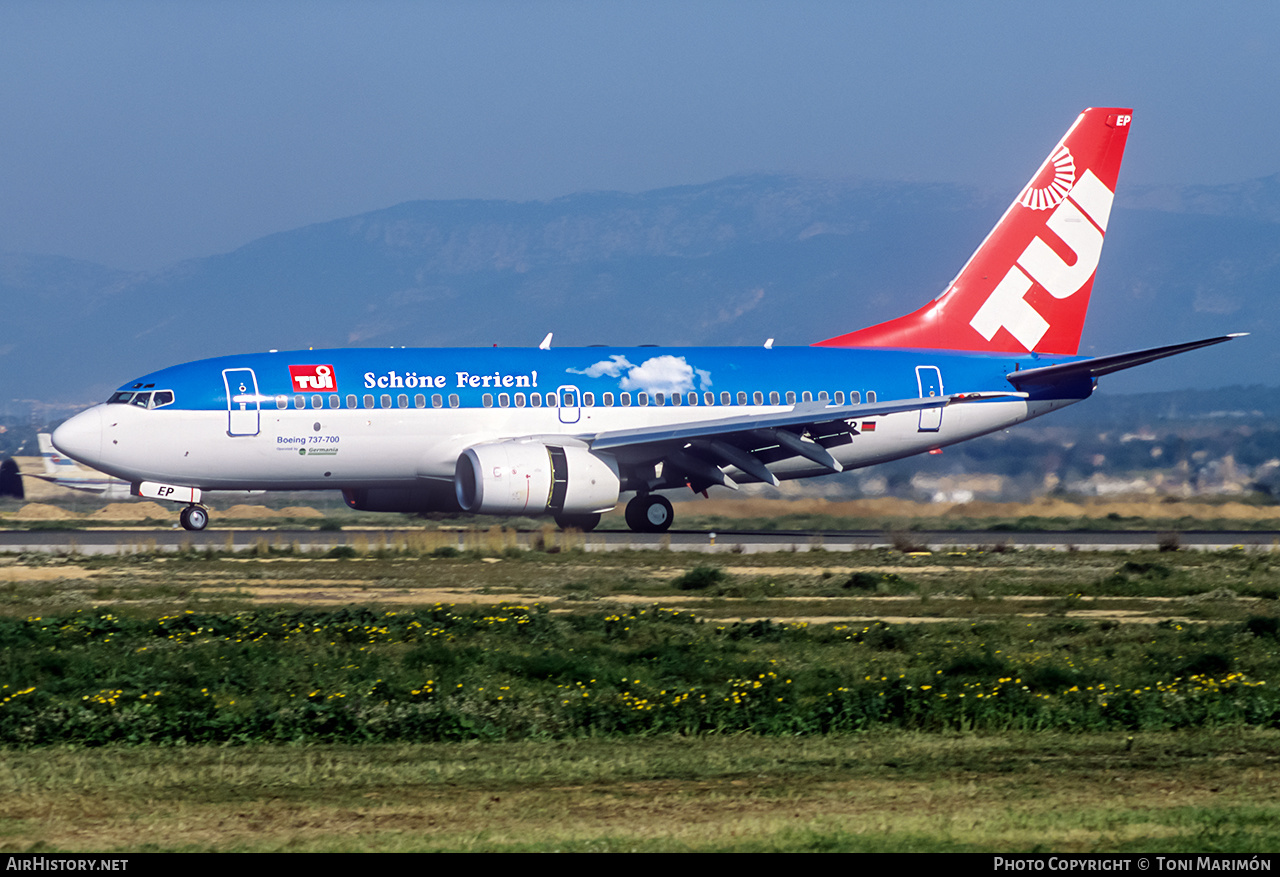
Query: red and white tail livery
[(1027, 287)]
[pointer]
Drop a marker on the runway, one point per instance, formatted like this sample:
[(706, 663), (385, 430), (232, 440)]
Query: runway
[(134, 540)]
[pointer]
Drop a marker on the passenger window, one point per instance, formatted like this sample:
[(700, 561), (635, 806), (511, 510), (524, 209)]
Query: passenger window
[(453, 400), (855, 397), (535, 399), (806, 396), (437, 401), (642, 399), (568, 400), (519, 400), (368, 401), (488, 400), (589, 400), (871, 397), (351, 401), (626, 399), (282, 402), (675, 398), (742, 397), (659, 399), (791, 397), (692, 399), (504, 400), (822, 395), (608, 400), (726, 398), (839, 397), (386, 400), (335, 402), (420, 401), (317, 401), (553, 401), (709, 398), (757, 397), (299, 401)]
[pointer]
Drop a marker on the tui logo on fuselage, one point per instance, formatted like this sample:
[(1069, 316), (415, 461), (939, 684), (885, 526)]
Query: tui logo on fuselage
[(313, 377)]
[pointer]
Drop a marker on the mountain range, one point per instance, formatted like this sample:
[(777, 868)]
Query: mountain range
[(734, 261)]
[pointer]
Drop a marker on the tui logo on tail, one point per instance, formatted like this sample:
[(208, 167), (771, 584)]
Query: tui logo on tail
[(1027, 287)]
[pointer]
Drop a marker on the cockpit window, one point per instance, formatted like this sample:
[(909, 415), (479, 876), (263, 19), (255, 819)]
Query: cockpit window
[(157, 399)]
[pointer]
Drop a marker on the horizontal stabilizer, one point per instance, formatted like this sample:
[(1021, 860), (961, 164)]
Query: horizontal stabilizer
[(1105, 365)]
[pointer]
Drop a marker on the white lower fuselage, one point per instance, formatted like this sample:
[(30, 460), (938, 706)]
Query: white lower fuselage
[(333, 449)]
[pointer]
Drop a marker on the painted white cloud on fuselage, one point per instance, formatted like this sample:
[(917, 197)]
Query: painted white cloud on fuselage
[(613, 366), (659, 374)]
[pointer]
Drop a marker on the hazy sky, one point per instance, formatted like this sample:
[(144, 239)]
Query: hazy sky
[(136, 134)]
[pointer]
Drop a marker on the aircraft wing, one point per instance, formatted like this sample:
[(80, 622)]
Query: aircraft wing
[(801, 414), (699, 448), (1105, 365)]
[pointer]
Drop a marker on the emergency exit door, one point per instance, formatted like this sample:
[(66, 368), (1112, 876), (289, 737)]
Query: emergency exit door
[(929, 378)]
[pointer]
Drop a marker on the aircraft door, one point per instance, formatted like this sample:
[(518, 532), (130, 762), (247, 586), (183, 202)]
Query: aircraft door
[(570, 404), (929, 379), (243, 401)]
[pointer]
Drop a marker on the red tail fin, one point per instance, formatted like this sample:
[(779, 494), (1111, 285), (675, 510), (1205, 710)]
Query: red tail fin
[(1027, 287)]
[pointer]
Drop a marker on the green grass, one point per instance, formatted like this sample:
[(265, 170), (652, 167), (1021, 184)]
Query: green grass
[(1197, 791), (509, 672), (154, 702)]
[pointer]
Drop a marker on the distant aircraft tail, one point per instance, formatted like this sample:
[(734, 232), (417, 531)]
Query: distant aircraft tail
[(55, 463), (1027, 287)]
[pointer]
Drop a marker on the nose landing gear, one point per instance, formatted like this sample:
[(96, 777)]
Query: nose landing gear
[(194, 517)]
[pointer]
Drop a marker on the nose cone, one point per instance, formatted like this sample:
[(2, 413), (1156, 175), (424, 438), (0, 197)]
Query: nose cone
[(80, 438)]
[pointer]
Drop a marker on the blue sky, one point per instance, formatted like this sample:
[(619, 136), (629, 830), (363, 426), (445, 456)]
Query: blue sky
[(139, 133)]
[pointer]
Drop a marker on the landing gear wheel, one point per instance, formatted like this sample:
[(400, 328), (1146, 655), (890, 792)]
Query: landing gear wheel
[(194, 517), (585, 523), (649, 514)]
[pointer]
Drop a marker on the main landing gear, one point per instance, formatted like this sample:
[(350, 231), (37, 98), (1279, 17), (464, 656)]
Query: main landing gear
[(194, 517), (649, 513)]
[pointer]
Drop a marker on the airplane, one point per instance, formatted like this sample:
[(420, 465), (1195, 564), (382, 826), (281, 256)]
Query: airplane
[(568, 432), (63, 471)]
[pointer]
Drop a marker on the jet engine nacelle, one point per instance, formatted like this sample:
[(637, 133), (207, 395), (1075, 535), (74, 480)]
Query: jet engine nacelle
[(532, 477)]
